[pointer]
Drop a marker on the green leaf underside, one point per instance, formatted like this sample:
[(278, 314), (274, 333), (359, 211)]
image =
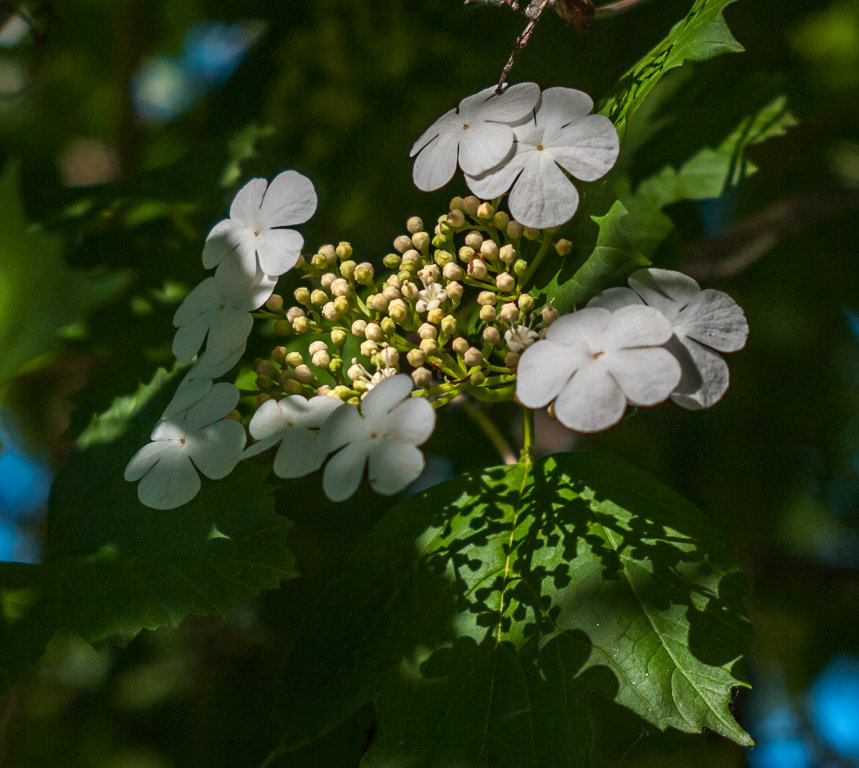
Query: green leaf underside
[(113, 567), (702, 34), (481, 614), (610, 262), (32, 268), (710, 173)]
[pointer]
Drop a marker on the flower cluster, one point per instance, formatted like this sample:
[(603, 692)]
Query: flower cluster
[(363, 354), (522, 141)]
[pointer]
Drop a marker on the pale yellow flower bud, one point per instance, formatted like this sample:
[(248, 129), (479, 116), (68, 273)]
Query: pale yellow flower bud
[(448, 325), (459, 345), (402, 243), (473, 356), (340, 287), (563, 247), (507, 254), (274, 302), (422, 377), (505, 282), (427, 331), (398, 310), (549, 314), (358, 328), (321, 359), (488, 313), (318, 297), (414, 224), (434, 316), (301, 325), (294, 359), (416, 358), (456, 218), (526, 302), (509, 313), (470, 205), (477, 269), (429, 346), (389, 357), (491, 334), (294, 312), (303, 374), (374, 332), (454, 291), (515, 230), (302, 295), (452, 272), (421, 240), (474, 240), (485, 298), (368, 348), (501, 220), (485, 211), (329, 310)]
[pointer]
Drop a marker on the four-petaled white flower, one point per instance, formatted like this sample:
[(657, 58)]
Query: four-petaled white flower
[(256, 234), (291, 422), (383, 436), (216, 310), (430, 297), (197, 439), (593, 361), (704, 322), (477, 134), (561, 134)]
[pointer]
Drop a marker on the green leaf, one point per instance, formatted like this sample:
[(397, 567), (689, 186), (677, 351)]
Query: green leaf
[(710, 173), (612, 259), (480, 614), (113, 567), (702, 34), (39, 294)]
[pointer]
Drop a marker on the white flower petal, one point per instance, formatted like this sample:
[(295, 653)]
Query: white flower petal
[(189, 338), (579, 327), (587, 148), (170, 484), (200, 301), (190, 390), (217, 403), (245, 207), (444, 124), (343, 426), (383, 398), (220, 242), (146, 458), (344, 469), (714, 375), (208, 366), (542, 195), (714, 319), (290, 199), (436, 163), (636, 326), (613, 299), (229, 330), (483, 146), (646, 376), (591, 401), (412, 421), (278, 250), (496, 181), (216, 449), (543, 370), (560, 106), (392, 466), (299, 454), (262, 445), (268, 419), (510, 106), (665, 289)]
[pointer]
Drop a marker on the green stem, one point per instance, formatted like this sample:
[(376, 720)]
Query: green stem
[(528, 435), (535, 262), (491, 431)]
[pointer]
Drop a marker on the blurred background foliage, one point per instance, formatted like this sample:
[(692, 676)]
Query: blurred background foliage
[(125, 127)]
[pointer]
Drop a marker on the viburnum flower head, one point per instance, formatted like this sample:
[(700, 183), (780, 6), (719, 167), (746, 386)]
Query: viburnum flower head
[(383, 437), (257, 234), (197, 439), (704, 323), (562, 134), (594, 361), (291, 422), (218, 313), (477, 134)]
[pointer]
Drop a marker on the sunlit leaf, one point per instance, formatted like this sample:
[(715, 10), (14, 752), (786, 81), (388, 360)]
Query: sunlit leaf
[(480, 615)]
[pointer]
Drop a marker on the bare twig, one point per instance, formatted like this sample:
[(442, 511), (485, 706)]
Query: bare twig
[(617, 7), (521, 42)]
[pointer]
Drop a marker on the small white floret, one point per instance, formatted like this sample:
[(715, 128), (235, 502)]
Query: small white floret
[(383, 437), (594, 361), (476, 134), (199, 438), (561, 136)]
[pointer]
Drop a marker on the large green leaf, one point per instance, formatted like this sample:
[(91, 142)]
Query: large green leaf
[(481, 614), (710, 173), (39, 294), (612, 259), (113, 567), (701, 34)]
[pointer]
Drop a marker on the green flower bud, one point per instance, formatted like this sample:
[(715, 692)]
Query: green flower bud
[(318, 297), (329, 253), (319, 262), (343, 250), (301, 325), (335, 365), (338, 337), (501, 220), (292, 387), (404, 277), (448, 325), (341, 391), (392, 260), (341, 304), (388, 325), (477, 378), (563, 247), (532, 233), (264, 383), (364, 273), (520, 266), (456, 203), (515, 230), (294, 359), (283, 328), (347, 269), (443, 257), (274, 302), (302, 295), (526, 302)]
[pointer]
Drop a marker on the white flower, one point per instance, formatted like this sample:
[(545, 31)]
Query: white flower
[(198, 439), (430, 297), (291, 422), (519, 337), (593, 361), (703, 321), (477, 133), (562, 134), (216, 310), (256, 232), (383, 436)]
